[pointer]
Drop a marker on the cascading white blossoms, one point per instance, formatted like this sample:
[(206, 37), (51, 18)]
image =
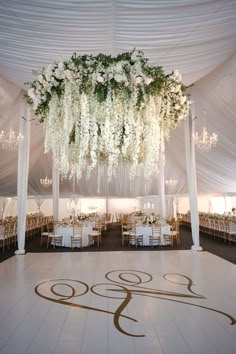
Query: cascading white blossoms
[(111, 110)]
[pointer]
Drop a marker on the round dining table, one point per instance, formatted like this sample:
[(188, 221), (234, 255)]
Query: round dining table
[(146, 231), (66, 231)]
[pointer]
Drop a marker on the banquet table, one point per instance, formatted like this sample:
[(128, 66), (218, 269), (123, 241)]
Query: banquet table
[(146, 231), (66, 231)]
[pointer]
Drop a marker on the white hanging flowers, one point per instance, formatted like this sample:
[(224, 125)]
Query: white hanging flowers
[(107, 109)]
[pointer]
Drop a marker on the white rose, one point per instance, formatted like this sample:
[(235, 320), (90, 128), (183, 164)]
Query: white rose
[(177, 106), (37, 101), (176, 73), (138, 80), (31, 93), (134, 56), (118, 77), (72, 65), (177, 88), (183, 100), (148, 80), (40, 78), (58, 74), (100, 78), (48, 72), (118, 67), (68, 74), (61, 65)]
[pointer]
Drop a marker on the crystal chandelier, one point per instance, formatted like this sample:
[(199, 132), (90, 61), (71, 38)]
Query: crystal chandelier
[(204, 142), (10, 140), (46, 182), (171, 182)]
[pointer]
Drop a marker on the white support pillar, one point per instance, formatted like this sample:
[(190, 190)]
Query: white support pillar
[(107, 204), (55, 190), (162, 179), (22, 175), (192, 181)]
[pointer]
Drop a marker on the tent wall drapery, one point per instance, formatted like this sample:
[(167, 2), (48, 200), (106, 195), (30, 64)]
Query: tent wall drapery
[(206, 204)]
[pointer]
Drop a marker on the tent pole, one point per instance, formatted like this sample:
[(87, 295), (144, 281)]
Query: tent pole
[(22, 176), (192, 180), (162, 180), (55, 190)]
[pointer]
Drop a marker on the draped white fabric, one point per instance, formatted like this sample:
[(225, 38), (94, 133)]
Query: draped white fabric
[(22, 177), (39, 202), (194, 36), (4, 204), (191, 174)]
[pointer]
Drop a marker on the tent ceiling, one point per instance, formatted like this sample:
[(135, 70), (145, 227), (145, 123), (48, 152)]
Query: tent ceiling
[(193, 36), (196, 37)]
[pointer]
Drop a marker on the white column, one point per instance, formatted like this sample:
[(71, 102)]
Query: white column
[(22, 176), (107, 206), (55, 190), (162, 180), (177, 204), (192, 181)]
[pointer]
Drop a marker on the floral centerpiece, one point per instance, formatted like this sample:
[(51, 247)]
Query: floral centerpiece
[(103, 109), (82, 217), (149, 219), (138, 213)]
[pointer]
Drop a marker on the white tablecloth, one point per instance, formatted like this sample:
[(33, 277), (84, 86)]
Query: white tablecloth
[(67, 231), (146, 231)]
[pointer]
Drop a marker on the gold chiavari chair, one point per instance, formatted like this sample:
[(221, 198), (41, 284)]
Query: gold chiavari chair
[(155, 237), (95, 235), (44, 234), (3, 236), (135, 238), (175, 232), (77, 237), (54, 238), (125, 230)]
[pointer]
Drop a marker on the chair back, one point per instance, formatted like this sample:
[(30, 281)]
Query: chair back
[(175, 226), (77, 230), (50, 227), (2, 230), (156, 231)]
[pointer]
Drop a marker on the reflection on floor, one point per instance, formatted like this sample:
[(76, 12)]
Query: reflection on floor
[(118, 302)]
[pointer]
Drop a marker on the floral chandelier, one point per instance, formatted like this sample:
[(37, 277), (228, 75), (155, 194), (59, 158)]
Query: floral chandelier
[(107, 110)]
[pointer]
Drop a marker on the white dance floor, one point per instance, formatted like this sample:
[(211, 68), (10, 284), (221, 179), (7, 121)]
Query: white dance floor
[(171, 302)]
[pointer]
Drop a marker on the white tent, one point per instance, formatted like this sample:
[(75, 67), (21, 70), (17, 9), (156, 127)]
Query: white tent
[(194, 36)]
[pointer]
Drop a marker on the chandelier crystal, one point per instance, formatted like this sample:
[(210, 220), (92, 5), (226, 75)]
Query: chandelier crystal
[(171, 182), (46, 182), (205, 142), (10, 140)]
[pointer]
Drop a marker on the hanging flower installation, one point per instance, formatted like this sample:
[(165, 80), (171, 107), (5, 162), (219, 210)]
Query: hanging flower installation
[(103, 109)]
